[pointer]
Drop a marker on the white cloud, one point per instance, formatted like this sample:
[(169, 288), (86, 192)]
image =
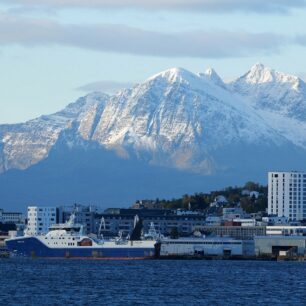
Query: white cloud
[(262, 6), (124, 39), (104, 86)]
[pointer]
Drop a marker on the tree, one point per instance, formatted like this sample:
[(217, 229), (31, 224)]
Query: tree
[(251, 186)]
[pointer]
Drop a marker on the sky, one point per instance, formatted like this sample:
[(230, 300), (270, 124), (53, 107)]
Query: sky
[(54, 51)]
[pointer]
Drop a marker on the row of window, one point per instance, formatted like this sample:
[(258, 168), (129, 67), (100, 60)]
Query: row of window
[(204, 242)]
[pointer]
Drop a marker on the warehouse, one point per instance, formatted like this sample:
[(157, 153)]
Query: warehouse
[(275, 245)]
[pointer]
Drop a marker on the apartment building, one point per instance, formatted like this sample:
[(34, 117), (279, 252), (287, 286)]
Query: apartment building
[(40, 219), (287, 195)]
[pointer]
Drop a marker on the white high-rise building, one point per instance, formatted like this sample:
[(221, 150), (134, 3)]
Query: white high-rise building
[(40, 219), (287, 195)]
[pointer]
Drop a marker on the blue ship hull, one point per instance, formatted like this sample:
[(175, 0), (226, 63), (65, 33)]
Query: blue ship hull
[(32, 247)]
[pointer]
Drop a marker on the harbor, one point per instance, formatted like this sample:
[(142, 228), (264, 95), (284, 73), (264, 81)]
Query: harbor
[(252, 222), (69, 241)]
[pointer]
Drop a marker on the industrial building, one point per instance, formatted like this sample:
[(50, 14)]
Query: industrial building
[(201, 246), (278, 245), (286, 230), (237, 232)]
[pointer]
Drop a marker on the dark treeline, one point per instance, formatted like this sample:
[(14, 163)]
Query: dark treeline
[(234, 196)]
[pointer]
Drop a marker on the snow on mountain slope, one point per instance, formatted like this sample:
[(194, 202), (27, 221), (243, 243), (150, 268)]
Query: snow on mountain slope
[(275, 91), (25, 144), (175, 118), (278, 98), (211, 75)]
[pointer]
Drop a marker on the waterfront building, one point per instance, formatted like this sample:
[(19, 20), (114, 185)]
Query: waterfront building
[(237, 232), (271, 220), (286, 230), (164, 220), (213, 220), (245, 222), (258, 215), (215, 246), (40, 219), (184, 212), (287, 195), (148, 204), (84, 215), (280, 245), (11, 217), (230, 213)]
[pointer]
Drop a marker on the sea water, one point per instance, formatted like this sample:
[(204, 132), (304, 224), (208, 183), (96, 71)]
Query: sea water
[(151, 282)]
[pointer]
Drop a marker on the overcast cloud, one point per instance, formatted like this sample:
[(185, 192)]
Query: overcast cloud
[(301, 40), (262, 6), (135, 41)]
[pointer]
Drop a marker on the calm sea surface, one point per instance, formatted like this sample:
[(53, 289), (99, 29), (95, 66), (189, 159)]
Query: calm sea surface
[(97, 282)]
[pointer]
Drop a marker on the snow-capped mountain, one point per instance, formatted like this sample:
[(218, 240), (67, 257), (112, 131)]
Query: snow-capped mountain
[(274, 91), (175, 119), (277, 97), (178, 118), (25, 144)]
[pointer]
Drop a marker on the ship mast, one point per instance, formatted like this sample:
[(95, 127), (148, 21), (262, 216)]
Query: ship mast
[(102, 223)]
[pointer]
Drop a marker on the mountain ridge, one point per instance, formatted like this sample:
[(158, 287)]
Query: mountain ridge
[(98, 114), (176, 119)]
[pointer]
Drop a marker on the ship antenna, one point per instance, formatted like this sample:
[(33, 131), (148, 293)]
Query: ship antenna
[(102, 223), (136, 220), (71, 218)]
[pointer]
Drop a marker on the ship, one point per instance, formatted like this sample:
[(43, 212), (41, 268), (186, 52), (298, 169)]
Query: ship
[(68, 240)]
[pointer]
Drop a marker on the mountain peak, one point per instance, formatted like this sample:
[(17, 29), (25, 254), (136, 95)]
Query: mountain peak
[(212, 75), (258, 67), (259, 74), (211, 72), (175, 74), (273, 91), (182, 75)]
